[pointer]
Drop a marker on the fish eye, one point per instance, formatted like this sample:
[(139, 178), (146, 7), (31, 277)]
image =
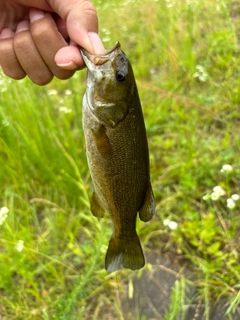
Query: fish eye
[(120, 76)]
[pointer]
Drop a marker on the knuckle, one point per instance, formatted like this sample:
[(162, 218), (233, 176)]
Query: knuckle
[(8, 60), (41, 79), (64, 74), (44, 29), (87, 5), (21, 40), (16, 74), (6, 45), (39, 29), (90, 12), (47, 39), (31, 60)]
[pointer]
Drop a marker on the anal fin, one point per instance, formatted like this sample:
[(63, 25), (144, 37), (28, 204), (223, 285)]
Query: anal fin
[(148, 208), (95, 206)]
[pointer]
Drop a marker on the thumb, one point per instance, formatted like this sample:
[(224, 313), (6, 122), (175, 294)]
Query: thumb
[(81, 22)]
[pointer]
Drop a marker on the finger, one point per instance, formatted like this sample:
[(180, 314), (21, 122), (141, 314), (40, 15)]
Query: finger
[(29, 57), (81, 18), (48, 41), (8, 59), (14, 11), (96, 42), (6, 33), (69, 58), (61, 25), (80, 31)]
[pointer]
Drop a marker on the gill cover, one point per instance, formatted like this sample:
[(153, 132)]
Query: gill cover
[(110, 85)]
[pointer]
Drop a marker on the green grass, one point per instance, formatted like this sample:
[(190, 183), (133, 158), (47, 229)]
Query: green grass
[(192, 118)]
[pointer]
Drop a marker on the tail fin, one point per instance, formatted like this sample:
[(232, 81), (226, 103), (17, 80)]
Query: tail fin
[(124, 253)]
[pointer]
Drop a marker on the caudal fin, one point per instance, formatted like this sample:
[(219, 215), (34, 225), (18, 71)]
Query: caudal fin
[(124, 253)]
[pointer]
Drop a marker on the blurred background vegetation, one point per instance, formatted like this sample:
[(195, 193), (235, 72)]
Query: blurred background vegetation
[(185, 55)]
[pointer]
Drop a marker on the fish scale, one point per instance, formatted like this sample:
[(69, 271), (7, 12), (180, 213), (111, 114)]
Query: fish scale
[(117, 154)]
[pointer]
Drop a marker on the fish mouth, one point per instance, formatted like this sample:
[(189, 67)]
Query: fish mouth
[(99, 59)]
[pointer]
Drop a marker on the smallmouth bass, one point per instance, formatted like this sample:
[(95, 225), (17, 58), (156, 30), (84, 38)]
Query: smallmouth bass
[(117, 154)]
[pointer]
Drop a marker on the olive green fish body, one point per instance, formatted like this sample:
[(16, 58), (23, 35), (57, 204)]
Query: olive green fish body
[(117, 153)]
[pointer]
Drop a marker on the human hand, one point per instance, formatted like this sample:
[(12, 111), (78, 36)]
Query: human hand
[(34, 37)]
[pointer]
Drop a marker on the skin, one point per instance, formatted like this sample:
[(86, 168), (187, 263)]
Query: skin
[(40, 38), (117, 153)]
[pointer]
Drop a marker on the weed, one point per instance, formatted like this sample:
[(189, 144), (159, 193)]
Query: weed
[(185, 56)]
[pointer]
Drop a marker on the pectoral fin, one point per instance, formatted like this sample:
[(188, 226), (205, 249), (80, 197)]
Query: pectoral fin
[(95, 206), (148, 208), (101, 139)]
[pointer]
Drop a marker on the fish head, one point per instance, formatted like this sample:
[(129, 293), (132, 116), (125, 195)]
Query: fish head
[(110, 84)]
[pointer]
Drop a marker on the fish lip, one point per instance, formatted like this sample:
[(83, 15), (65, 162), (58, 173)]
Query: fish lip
[(99, 59)]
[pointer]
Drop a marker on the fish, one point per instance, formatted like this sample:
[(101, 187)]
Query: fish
[(117, 153)]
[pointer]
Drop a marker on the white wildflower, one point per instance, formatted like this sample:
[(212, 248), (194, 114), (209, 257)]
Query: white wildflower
[(68, 92), (3, 214), (4, 210), (169, 3), (20, 245), (65, 109), (201, 73), (106, 39), (219, 190), (206, 197), (106, 31), (103, 248), (235, 197), (231, 203), (153, 71), (173, 225), (52, 92), (5, 123), (166, 222), (215, 196), (226, 168)]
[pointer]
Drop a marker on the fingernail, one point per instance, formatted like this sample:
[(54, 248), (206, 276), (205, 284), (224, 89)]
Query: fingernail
[(96, 43), (68, 66), (6, 33), (36, 14), (22, 26)]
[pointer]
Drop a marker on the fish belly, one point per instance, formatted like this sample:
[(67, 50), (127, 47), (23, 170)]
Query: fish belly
[(119, 166)]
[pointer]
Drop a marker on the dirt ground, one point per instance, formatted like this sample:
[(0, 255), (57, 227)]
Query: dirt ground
[(151, 294)]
